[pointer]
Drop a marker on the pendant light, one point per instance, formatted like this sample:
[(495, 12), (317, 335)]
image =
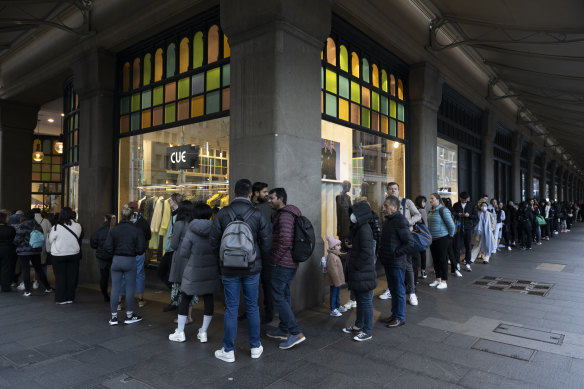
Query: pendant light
[(59, 144), (37, 154)]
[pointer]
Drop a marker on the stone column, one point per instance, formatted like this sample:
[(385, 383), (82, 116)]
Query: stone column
[(275, 129), (517, 144), (17, 124), (489, 131), (529, 175), (554, 167), (94, 80), (560, 183), (424, 98), (543, 177)]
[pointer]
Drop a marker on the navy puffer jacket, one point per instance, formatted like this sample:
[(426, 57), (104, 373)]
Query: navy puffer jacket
[(22, 238), (362, 276)]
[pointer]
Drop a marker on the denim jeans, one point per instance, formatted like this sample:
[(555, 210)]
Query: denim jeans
[(335, 297), (364, 319), (281, 279), (231, 287), (398, 292)]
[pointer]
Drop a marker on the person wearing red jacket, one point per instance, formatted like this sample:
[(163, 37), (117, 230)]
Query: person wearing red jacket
[(284, 269)]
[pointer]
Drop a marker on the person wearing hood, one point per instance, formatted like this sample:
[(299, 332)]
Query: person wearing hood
[(335, 275), (362, 277), (201, 273), (103, 258)]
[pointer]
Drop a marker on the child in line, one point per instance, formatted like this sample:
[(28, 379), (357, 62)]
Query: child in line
[(335, 275)]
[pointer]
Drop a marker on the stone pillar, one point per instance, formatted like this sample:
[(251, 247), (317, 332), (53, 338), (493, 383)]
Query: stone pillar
[(424, 98), (517, 144), (560, 183), (275, 129), (17, 124), (554, 167), (489, 131), (543, 181), (94, 80), (529, 175)]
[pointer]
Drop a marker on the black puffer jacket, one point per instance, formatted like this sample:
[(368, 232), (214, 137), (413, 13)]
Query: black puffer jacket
[(144, 226), (23, 231), (125, 240), (7, 235), (261, 229), (466, 223), (396, 241), (97, 242), (362, 276)]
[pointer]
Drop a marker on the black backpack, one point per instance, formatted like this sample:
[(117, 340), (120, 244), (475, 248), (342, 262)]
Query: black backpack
[(303, 238)]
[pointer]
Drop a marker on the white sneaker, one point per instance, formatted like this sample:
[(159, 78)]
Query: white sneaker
[(336, 313), (509, 248), (35, 284), (458, 274), (413, 299), (256, 352), (434, 284), (177, 336), (350, 304), (485, 261), (202, 336), (342, 309), (227, 356), (467, 267), (442, 285), (385, 295), (458, 266), (21, 286)]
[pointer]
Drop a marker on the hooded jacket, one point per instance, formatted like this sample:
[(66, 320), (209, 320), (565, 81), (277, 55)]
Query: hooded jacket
[(125, 240), (283, 237), (396, 241), (362, 276), (179, 261), (97, 242), (334, 268)]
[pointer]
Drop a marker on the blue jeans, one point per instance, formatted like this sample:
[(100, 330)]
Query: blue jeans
[(231, 286), (398, 292), (364, 319), (140, 276), (281, 279), (335, 296)]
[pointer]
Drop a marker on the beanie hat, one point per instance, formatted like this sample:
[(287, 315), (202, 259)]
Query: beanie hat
[(332, 242)]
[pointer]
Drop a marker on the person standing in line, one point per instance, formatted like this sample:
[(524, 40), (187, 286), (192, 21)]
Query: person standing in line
[(201, 273), (483, 234), (104, 259), (166, 260), (124, 243), (465, 213), (284, 269), (334, 275), (442, 229), (235, 279), (420, 203), (46, 225), (362, 277), (453, 254), (7, 251), (525, 221), (144, 227)]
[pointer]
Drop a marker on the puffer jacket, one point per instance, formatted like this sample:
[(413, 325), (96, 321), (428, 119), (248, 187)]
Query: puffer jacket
[(396, 241), (97, 242), (23, 231), (125, 240), (283, 237), (362, 276), (260, 228), (334, 269), (179, 261), (201, 273)]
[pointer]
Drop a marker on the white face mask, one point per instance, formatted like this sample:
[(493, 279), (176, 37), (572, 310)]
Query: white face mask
[(484, 209), (353, 218)]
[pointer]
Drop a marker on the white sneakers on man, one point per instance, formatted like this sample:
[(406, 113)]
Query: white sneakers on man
[(385, 295), (227, 356), (442, 285), (350, 304), (256, 352), (434, 284), (412, 299), (458, 274)]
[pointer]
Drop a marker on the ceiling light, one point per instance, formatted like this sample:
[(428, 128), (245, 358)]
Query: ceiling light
[(51, 120), (395, 145)]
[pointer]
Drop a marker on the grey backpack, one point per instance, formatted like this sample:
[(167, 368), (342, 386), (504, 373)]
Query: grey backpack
[(237, 248)]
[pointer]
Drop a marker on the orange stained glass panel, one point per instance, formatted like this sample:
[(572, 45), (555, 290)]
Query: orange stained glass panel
[(374, 121), (365, 97), (400, 90), (198, 106), (213, 44), (56, 177), (146, 118), (158, 65), (126, 78), (75, 137), (384, 124), (36, 176), (170, 92), (331, 52), (344, 109), (125, 123), (225, 99), (226, 48), (392, 84), (355, 64), (355, 113), (136, 74), (375, 75), (183, 109), (157, 116), (400, 130), (183, 64)]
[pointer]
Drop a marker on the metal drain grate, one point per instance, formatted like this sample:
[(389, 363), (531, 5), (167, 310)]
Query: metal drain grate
[(530, 333), (510, 285), (504, 349)]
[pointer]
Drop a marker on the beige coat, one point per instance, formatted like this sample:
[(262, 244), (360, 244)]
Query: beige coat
[(334, 269)]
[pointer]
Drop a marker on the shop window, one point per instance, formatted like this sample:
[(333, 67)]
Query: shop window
[(184, 55), (125, 77), (331, 52), (447, 165), (213, 44), (158, 65), (170, 60), (344, 59)]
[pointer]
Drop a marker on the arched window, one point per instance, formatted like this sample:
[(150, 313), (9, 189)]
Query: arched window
[(365, 70), (126, 78), (384, 80), (344, 58), (158, 65), (170, 60), (184, 55), (375, 75), (147, 69), (392, 84), (136, 74), (213, 44), (400, 90), (355, 64), (198, 50), (226, 48), (331, 52)]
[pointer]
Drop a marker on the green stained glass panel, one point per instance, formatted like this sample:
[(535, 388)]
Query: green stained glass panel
[(56, 168), (365, 70), (331, 105), (355, 92), (375, 101), (321, 78), (392, 109), (46, 176), (135, 102), (392, 127), (384, 105), (212, 100), (344, 87), (147, 99), (36, 167), (76, 121), (226, 75), (331, 81), (170, 113), (213, 80), (158, 96), (365, 117), (184, 88), (125, 105), (400, 112), (135, 121)]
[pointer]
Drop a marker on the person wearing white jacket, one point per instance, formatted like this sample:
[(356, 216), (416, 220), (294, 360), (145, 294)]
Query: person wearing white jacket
[(65, 251)]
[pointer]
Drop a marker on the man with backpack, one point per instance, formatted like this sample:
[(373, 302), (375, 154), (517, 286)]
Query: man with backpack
[(466, 215), (241, 237), (284, 268)]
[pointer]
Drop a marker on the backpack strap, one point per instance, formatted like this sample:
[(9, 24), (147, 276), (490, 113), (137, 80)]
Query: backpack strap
[(231, 214), (291, 213), (245, 216), (403, 202), (248, 214), (441, 212)]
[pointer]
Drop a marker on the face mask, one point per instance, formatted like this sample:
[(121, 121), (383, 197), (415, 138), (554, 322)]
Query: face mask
[(484, 209), (353, 218)]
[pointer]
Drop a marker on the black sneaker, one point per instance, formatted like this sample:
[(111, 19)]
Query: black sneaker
[(351, 330), (362, 336), (114, 321), (132, 319)]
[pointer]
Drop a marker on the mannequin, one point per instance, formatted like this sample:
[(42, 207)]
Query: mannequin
[(343, 205)]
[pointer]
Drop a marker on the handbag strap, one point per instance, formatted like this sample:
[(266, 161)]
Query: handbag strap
[(72, 233)]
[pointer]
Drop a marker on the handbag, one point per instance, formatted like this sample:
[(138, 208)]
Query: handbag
[(540, 220)]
